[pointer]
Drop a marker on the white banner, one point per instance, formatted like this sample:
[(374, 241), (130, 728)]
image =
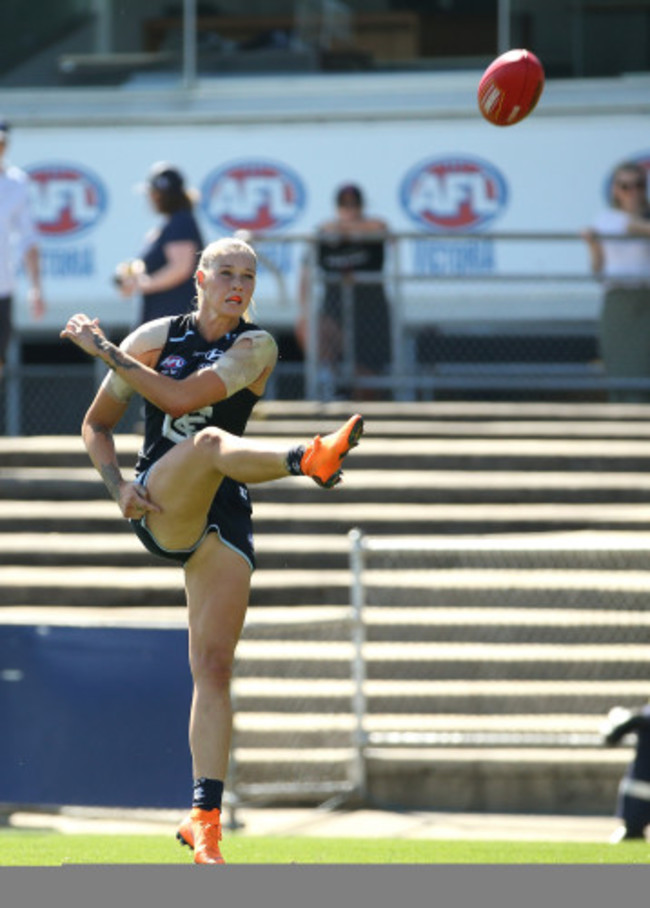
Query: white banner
[(462, 176)]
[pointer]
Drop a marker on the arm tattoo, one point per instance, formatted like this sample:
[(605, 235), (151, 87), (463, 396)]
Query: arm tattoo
[(116, 357), (110, 472), (111, 476)]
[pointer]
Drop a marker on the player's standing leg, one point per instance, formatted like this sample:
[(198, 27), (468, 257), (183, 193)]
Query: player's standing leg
[(217, 581)]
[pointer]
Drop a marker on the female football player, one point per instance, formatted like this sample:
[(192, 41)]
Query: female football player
[(200, 375)]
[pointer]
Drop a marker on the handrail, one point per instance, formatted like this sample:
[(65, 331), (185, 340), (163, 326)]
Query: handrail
[(503, 235)]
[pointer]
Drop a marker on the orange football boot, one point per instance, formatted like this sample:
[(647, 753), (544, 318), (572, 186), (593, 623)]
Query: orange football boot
[(184, 832), (323, 456), (201, 830)]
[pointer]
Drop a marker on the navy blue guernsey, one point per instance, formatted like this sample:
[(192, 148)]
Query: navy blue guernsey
[(185, 352)]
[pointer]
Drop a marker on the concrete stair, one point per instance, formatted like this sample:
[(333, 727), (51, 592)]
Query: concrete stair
[(490, 659)]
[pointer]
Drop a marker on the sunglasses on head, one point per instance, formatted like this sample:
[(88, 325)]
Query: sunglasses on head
[(630, 184)]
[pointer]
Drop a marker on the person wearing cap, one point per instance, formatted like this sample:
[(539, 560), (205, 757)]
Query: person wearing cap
[(17, 235), (354, 317), (163, 274)]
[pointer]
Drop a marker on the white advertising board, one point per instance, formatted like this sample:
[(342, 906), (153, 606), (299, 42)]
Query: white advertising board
[(424, 177)]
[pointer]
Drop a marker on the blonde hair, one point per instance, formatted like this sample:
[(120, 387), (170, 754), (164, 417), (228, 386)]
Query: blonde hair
[(214, 251)]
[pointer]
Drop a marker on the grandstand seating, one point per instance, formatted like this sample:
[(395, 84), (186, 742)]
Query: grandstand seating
[(487, 676)]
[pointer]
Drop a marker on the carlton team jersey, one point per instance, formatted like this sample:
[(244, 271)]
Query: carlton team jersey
[(185, 352)]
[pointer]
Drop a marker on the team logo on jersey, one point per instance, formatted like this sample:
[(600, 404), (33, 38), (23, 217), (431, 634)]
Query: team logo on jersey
[(643, 159), (210, 356), (172, 364), (182, 427), (453, 194), (67, 200), (257, 195)]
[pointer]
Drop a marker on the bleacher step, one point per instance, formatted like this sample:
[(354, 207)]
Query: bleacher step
[(112, 586), (395, 486), (442, 697), (525, 619)]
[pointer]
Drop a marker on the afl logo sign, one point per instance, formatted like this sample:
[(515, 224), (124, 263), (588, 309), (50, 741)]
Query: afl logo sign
[(66, 200), (453, 194), (258, 196)]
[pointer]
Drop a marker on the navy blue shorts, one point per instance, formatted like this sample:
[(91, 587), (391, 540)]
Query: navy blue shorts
[(230, 516)]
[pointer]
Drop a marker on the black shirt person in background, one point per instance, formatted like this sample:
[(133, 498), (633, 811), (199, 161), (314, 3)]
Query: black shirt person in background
[(350, 254), (633, 805)]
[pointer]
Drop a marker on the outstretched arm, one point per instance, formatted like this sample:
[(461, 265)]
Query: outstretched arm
[(248, 363), (168, 394), (180, 265)]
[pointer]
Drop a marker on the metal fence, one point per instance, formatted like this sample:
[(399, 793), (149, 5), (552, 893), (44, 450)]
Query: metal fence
[(459, 642), (50, 399), (514, 642), (299, 704), (505, 315), (499, 316)]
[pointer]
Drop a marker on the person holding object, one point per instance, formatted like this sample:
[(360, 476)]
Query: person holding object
[(201, 374), (624, 267), (17, 235), (163, 274)]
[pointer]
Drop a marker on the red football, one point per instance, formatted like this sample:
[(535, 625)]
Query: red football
[(510, 87)]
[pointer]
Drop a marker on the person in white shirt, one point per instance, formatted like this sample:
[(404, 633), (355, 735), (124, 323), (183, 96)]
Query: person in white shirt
[(18, 240), (624, 267)]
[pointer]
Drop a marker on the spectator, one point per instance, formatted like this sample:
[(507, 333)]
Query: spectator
[(164, 272), (354, 318), (625, 270), (17, 235)]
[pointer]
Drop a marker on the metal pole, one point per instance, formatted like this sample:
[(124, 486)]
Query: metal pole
[(358, 665), (397, 326), (189, 43), (503, 26), (348, 366), (103, 26), (312, 390), (578, 39), (13, 388), (231, 796)]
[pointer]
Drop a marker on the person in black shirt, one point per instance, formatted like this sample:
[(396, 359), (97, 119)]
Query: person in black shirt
[(633, 806), (164, 272), (200, 375), (354, 316)]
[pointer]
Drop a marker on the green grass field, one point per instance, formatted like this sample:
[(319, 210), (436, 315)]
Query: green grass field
[(19, 848)]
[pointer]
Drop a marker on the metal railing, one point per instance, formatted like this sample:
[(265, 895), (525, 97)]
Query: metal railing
[(433, 652), (323, 779), (443, 342), (49, 399), (480, 324)]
